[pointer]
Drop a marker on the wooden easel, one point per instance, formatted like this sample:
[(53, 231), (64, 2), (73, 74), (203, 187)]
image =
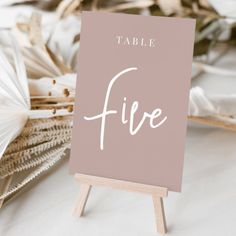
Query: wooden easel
[(87, 181)]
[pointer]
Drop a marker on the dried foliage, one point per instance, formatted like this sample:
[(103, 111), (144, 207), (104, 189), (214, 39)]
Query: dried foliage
[(50, 63)]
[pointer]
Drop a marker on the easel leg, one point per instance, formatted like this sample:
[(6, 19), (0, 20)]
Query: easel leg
[(160, 214), (83, 197)]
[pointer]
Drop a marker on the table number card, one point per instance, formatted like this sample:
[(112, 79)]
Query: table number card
[(132, 97)]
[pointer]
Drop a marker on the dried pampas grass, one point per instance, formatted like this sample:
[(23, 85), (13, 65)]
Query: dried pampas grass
[(38, 76), (36, 113), (42, 144)]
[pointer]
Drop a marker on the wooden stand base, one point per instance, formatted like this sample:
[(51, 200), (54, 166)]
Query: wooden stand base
[(87, 181)]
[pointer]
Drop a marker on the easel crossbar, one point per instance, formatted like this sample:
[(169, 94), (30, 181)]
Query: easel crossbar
[(120, 184)]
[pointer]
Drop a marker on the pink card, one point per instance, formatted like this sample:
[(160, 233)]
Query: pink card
[(133, 84)]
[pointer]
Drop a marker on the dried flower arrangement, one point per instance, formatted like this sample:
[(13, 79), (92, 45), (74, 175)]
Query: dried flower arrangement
[(38, 76)]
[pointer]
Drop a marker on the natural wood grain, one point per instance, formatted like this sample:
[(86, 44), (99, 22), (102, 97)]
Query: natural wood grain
[(213, 122), (83, 197), (123, 185), (159, 214), (87, 181)]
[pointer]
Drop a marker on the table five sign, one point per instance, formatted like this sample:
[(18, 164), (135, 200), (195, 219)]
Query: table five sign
[(132, 96)]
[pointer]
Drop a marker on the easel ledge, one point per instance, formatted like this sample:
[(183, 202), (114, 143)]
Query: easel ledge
[(87, 181)]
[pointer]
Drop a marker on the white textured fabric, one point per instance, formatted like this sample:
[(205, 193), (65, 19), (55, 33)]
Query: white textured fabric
[(206, 206), (226, 8)]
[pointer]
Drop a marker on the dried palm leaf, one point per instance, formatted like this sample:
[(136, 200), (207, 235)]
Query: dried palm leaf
[(39, 58), (41, 141), (35, 146), (48, 5), (66, 7), (14, 97), (16, 2)]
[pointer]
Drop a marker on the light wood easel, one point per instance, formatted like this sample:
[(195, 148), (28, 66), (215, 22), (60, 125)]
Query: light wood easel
[(87, 181)]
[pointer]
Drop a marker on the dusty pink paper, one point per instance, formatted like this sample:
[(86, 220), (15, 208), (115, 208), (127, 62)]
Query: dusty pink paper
[(162, 80)]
